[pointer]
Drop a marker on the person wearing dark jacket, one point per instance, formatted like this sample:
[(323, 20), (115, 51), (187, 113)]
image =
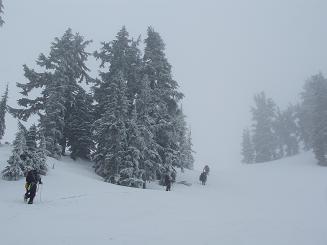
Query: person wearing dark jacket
[(168, 182), (32, 179), (203, 178)]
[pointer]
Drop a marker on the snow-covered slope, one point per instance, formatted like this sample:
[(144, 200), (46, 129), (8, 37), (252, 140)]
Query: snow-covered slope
[(282, 202)]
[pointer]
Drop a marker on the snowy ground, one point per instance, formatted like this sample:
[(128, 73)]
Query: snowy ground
[(276, 203)]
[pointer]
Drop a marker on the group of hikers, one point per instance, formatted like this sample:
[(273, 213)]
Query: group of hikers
[(33, 178), (168, 179)]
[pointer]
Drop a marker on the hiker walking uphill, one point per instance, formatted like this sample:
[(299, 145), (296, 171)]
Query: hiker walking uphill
[(32, 179), (203, 178), (204, 175)]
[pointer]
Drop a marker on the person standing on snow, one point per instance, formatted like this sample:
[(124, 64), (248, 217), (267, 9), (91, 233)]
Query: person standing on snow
[(203, 177), (168, 182), (32, 179)]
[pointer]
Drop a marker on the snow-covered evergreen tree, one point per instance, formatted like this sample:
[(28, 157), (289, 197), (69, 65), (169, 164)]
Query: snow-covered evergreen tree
[(152, 135), (186, 149), (79, 126), (3, 110), (314, 116), (53, 121), (146, 109), (131, 174), (264, 138), (16, 165), (286, 131), (166, 98), (121, 55), (247, 147), (182, 137), (64, 68), (111, 132), (1, 13), (31, 138)]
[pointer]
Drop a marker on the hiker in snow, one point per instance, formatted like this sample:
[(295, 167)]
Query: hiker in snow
[(168, 181), (32, 179), (203, 177), (206, 169)]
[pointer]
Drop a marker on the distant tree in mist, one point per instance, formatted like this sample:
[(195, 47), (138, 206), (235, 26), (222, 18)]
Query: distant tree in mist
[(286, 131), (1, 13), (3, 110), (278, 133), (247, 147), (314, 116), (264, 138)]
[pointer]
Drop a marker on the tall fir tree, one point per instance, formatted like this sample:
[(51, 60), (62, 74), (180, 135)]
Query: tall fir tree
[(146, 110), (3, 110), (264, 138), (110, 131), (131, 173), (64, 68), (314, 116), (121, 55), (247, 147), (166, 98)]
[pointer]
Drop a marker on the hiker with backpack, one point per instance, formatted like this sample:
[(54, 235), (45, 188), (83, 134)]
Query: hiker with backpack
[(32, 180), (203, 177)]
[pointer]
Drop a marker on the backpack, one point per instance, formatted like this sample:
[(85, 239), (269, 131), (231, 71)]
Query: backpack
[(202, 176)]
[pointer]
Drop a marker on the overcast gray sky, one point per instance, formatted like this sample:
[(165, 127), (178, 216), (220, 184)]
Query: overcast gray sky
[(222, 52)]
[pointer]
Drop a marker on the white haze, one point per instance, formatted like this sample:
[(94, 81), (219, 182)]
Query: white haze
[(222, 52)]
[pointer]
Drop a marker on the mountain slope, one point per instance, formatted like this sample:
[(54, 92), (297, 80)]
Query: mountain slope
[(282, 202)]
